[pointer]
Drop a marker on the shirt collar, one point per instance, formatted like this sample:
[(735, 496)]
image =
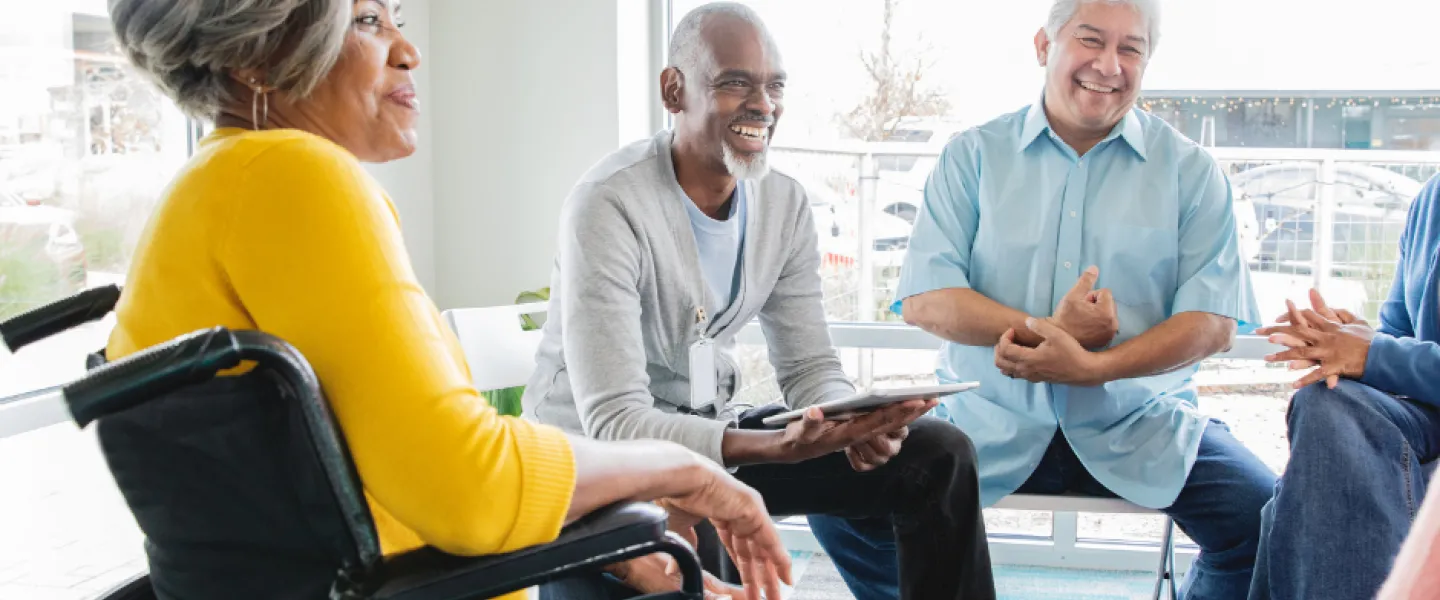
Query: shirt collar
[(1129, 129)]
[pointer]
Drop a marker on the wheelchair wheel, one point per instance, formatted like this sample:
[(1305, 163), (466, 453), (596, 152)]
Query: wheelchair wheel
[(135, 588)]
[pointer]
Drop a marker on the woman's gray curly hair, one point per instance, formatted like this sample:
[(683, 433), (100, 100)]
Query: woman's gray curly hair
[(190, 47)]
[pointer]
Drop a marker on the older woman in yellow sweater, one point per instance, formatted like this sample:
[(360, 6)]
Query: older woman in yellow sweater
[(273, 225)]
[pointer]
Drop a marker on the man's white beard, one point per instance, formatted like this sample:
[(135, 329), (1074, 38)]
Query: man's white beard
[(756, 168)]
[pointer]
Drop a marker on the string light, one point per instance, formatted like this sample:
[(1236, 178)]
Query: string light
[(1230, 105)]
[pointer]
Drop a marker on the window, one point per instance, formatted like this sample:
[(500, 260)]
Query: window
[(85, 145), (1313, 138), (1293, 101)]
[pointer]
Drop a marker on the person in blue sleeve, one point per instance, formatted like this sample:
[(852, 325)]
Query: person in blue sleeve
[(1079, 258), (1364, 430)]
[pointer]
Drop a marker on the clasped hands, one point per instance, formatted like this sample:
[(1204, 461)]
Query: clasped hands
[(1332, 343), (1058, 349)]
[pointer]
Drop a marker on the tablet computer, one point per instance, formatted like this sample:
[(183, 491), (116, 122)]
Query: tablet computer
[(844, 407)]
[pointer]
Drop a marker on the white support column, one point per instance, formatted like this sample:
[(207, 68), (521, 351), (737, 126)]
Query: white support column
[(1324, 218), (865, 296)]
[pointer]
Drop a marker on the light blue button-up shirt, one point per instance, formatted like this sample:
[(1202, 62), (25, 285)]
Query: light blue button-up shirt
[(1014, 213)]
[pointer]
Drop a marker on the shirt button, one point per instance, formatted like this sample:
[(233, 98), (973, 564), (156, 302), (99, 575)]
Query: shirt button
[(1074, 214), (1067, 264)]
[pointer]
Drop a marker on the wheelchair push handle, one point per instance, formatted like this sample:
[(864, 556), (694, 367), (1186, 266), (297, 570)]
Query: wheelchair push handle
[(53, 318), (129, 382)]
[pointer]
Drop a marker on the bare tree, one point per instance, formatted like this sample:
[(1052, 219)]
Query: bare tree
[(900, 89)]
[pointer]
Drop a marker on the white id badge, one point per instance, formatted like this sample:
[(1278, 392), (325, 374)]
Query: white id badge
[(704, 387)]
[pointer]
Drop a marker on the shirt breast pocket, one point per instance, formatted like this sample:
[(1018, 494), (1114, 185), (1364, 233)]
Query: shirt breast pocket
[(1141, 275)]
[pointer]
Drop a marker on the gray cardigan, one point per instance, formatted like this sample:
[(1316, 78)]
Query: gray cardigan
[(614, 361)]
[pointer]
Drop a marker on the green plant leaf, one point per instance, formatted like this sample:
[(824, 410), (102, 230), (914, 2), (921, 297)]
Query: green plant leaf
[(540, 295), (506, 401), (527, 322)]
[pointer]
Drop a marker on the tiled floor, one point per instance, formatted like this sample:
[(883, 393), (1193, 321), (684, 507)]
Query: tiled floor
[(64, 531)]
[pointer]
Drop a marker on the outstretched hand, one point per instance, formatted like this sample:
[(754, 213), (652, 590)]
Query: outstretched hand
[(879, 431), (738, 513)]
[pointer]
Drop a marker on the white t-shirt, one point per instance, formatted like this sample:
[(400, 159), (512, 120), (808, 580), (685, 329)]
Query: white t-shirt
[(719, 244)]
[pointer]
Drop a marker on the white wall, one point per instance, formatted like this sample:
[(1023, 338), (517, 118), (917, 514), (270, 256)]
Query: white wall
[(518, 100), (409, 182), (639, 58), (525, 98)]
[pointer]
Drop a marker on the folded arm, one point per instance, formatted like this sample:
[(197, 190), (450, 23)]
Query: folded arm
[(965, 316), (1398, 362), (1178, 342)]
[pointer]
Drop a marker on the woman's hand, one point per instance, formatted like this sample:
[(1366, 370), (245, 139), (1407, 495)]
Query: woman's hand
[(739, 516), (1292, 316), (1336, 350)]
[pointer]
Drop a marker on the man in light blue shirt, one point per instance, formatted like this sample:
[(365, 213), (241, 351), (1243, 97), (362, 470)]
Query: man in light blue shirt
[(1086, 374)]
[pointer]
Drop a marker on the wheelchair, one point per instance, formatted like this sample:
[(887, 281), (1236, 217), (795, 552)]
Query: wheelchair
[(244, 487)]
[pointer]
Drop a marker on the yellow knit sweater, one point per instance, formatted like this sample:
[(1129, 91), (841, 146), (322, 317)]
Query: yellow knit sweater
[(284, 232)]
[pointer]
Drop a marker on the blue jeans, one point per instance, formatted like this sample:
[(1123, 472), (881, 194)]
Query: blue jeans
[(864, 553), (1355, 479), (1219, 509)]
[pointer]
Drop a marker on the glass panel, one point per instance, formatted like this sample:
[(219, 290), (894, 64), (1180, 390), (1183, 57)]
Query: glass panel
[(1029, 523), (85, 146)]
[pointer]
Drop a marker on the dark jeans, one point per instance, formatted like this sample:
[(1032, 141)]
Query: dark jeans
[(1357, 474), (929, 493), (1219, 508)]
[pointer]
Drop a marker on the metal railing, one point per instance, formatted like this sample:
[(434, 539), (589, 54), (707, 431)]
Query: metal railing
[(1328, 219), (1322, 218)]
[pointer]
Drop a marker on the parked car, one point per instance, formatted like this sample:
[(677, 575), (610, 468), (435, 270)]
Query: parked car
[(41, 256), (900, 193), (1369, 213), (928, 135), (837, 227)]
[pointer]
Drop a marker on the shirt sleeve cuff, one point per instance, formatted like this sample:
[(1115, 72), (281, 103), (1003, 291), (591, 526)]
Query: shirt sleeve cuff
[(1220, 303), (547, 467), (927, 276), (830, 391), (1378, 363)]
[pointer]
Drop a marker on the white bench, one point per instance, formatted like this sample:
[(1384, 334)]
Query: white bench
[(1165, 576)]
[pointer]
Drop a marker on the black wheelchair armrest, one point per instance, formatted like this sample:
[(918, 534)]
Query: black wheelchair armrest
[(58, 316), (615, 533)]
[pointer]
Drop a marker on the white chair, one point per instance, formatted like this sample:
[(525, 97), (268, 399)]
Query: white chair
[(1164, 574), (500, 353)]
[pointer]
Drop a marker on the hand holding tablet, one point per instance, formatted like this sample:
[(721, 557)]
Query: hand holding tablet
[(845, 408)]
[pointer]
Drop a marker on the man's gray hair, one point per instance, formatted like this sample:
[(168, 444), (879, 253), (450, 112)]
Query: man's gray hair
[(190, 47), (686, 46), (1064, 10)]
